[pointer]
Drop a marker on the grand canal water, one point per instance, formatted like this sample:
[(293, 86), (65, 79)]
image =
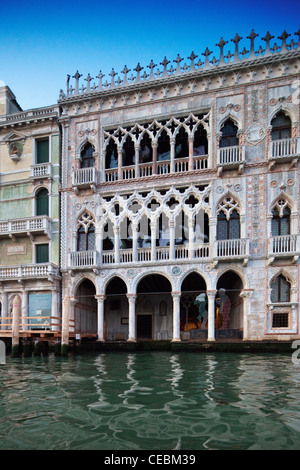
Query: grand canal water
[(150, 401)]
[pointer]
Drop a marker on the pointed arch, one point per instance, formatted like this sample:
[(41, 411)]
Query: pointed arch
[(229, 133)]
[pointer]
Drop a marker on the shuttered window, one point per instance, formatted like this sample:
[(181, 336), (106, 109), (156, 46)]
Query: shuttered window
[(280, 290), (42, 151), (228, 229), (42, 202), (42, 253), (281, 225)]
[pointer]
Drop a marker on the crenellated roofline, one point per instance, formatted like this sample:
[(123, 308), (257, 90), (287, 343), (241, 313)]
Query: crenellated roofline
[(230, 62)]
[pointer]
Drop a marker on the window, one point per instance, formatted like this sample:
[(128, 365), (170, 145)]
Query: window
[(42, 253), (42, 151), (146, 149), (200, 142), (86, 233), (87, 158), (229, 134), (280, 290), (281, 127), (42, 202), (181, 144), (228, 229), (280, 320), (128, 152), (281, 222), (163, 147), (111, 158)]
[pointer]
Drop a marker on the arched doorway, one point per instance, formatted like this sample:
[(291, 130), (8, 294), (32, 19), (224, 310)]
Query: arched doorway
[(154, 308), (116, 315), (229, 306), (86, 309), (193, 314)]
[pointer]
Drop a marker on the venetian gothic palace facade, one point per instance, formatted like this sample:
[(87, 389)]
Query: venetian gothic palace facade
[(163, 205)]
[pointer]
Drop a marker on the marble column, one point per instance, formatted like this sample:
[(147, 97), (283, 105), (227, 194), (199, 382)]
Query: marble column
[(191, 153), (172, 240), (134, 243), (154, 158), (66, 320), (117, 244), (100, 316), (131, 332), (24, 314), (246, 294), (153, 240), (4, 311), (16, 314), (172, 155), (176, 316), (120, 163), (211, 294)]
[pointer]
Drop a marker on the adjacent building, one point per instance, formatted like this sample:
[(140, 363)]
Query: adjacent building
[(179, 200), (29, 219)]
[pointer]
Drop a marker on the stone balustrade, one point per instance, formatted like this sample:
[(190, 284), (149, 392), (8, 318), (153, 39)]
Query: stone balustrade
[(284, 148), (284, 245), (43, 270), (28, 225)]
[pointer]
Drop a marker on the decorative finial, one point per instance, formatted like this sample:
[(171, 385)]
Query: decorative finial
[(100, 76), (125, 71), (268, 38), (77, 77), (221, 45), (206, 54), (284, 37), (112, 74), (151, 67), (252, 36), (236, 41), (192, 58), (178, 60), (138, 70), (165, 62), (88, 79)]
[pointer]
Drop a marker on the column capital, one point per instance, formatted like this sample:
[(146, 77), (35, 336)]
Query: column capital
[(176, 295), (246, 293), (100, 297), (73, 300), (211, 293), (131, 297)]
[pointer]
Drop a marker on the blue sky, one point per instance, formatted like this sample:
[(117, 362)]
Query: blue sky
[(42, 42)]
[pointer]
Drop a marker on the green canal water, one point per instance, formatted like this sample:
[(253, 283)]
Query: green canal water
[(150, 401)]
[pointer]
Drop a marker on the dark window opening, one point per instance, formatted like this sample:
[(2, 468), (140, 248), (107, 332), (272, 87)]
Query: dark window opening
[(280, 320), (163, 148), (228, 229), (146, 149), (42, 202), (229, 134), (87, 158), (86, 240), (281, 127), (280, 290), (111, 157), (281, 225), (200, 142), (128, 152), (42, 151), (181, 144), (42, 253)]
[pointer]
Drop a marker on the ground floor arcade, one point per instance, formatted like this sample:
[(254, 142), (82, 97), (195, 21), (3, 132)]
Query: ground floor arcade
[(156, 306)]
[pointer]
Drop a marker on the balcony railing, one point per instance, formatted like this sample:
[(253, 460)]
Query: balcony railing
[(82, 259), (284, 246), (284, 149), (28, 225), (231, 155), (199, 162), (29, 271), (232, 249), (41, 170), (84, 178)]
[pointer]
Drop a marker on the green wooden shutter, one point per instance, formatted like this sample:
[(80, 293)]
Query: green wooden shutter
[(42, 253), (42, 151), (42, 202)]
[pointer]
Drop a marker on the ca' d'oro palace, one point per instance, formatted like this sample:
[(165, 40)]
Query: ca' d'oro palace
[(160, 203)]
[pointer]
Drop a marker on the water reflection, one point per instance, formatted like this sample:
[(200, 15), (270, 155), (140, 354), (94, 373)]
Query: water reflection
[(159, 401)]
